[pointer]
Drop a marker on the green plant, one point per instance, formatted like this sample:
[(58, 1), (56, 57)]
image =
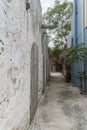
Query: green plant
[(68, 77), (55, 52), (59, 15), (77, 54)]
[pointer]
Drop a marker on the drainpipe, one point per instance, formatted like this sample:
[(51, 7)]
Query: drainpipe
[(76, 12), (83, 45)]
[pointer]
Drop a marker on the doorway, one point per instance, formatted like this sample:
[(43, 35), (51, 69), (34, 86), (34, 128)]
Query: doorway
[(34, 81)]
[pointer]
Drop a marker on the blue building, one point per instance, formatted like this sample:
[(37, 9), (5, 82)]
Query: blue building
[(79, 33)]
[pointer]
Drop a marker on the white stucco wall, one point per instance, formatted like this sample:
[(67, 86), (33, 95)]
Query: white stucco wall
[(19, 29), (45, 57), (34, 31)]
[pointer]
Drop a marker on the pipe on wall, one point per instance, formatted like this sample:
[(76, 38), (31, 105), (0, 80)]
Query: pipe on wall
[(83, 40)]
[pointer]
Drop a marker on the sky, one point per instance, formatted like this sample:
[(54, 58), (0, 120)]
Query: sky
[(47, 3)]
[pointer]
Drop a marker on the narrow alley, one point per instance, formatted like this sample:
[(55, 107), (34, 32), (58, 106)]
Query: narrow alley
[(61, 108)]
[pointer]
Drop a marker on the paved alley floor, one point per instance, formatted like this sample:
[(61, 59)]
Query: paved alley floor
[(61, 107)]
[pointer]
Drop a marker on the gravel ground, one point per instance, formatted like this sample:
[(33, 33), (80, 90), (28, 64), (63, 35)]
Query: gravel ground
[(61, 107)]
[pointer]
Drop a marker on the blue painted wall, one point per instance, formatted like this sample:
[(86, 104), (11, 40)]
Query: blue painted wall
[(77, 38), (77, 21), (86, 59)]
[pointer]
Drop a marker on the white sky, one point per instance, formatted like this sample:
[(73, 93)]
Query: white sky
[(47, 3)]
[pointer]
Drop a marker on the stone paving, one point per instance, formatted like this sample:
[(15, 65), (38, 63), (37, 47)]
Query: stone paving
[(61, 108)]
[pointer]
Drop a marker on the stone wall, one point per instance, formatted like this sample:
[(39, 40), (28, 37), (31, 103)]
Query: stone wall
[(19, 30)]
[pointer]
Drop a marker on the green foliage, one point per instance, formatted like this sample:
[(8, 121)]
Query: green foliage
[(60, 15), (50, 50), (68, 77), (55, 52), (80, 74), (77, 54)]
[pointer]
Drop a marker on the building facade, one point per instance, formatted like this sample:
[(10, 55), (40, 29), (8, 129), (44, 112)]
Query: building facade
[(23, 62), (79, 32)]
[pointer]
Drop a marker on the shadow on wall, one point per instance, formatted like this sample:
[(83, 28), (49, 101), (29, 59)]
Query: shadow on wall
[(34, 81)]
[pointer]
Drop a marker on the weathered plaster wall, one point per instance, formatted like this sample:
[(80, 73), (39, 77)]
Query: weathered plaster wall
[(14, 66), (45, 58), (19, 29), (34, 36)]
